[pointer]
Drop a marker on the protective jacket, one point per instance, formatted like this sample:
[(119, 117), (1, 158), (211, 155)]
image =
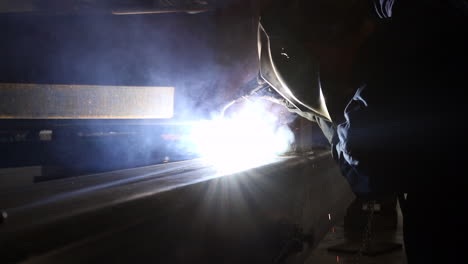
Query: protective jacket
[(402, 130)]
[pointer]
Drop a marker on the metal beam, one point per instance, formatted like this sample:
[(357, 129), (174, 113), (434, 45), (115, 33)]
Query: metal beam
[(104, 6), (176, 213)]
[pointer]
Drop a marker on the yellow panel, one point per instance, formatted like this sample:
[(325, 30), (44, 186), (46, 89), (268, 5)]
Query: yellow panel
[(44, 101)]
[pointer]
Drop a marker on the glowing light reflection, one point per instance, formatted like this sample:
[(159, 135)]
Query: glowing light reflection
[(250, 137)]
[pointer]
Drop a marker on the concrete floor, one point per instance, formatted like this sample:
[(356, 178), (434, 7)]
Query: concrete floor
[(336, 236)]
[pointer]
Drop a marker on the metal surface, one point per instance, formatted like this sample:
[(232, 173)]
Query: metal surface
[(174, 213), (103, 7), (125, 12), (47, 101)]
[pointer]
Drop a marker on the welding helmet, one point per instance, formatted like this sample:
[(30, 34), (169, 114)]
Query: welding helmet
[(286, 64)]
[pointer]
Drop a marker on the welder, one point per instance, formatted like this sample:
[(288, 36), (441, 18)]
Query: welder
[(388, 78)]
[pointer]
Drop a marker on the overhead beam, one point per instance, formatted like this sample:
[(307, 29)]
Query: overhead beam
[(120, 7)]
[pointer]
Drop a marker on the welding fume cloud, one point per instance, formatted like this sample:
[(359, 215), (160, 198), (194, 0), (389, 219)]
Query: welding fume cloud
[(251, 135)]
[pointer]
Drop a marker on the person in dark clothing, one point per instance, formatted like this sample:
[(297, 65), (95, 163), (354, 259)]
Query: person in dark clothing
[(393, 74), (394, 138)]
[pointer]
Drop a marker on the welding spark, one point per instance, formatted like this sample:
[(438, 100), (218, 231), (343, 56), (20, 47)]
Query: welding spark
[(251, 137)]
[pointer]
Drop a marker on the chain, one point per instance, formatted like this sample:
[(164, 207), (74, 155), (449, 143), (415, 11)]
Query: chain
[(366, 240)]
